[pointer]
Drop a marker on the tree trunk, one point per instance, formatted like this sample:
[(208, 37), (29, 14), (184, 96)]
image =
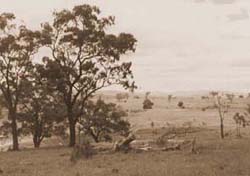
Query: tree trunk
[(72, 131), (37, 138), (15, 144), (36, 142), (96, 139), (72, 127), (37, 145), (124, 145), (222, 128)]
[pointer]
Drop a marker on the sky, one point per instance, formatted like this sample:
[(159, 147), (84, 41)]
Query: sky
[(183, 45)]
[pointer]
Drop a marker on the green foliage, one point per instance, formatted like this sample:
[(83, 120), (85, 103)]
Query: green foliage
[(101, 119)]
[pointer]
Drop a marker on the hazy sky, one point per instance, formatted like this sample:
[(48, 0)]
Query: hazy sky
[(183, 44)]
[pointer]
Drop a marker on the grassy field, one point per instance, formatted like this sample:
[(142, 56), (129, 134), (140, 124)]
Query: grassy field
[(167, 113), (213, 156)]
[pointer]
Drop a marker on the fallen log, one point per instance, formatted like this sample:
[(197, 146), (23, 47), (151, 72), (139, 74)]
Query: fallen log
[(124, 145)]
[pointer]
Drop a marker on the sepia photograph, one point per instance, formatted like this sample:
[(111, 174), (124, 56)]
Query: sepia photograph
[(125, 88)]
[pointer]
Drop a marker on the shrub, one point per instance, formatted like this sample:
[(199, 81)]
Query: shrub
[(147, 104), (241, 96), (181, 105), (204, 97)]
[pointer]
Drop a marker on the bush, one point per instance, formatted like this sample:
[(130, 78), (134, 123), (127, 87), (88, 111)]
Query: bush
[(204, 97), (241, 96), (181, 105), (147, 104)]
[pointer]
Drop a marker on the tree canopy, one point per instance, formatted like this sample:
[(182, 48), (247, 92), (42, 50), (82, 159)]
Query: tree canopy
[(17, 46), (84, 56)]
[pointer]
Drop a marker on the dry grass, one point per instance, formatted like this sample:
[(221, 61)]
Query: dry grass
[(165, 113), (214, 157)]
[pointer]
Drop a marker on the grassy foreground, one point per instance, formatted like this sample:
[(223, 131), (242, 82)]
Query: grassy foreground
[(214, 157)]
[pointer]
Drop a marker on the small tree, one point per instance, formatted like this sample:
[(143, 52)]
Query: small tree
[(240, 121), (42, 113), (222, 107), (101, 119)]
